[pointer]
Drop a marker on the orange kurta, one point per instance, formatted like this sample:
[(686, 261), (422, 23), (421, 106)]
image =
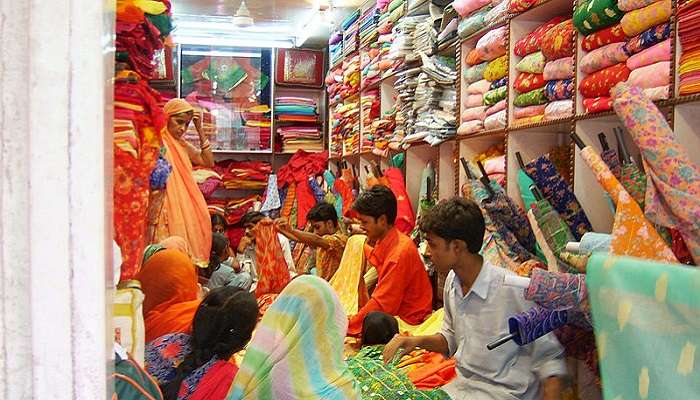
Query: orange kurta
[(403, 288)]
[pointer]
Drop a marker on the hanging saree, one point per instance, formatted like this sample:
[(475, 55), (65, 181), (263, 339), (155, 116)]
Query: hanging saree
[(348, 281), (405, 218), (273, 272)]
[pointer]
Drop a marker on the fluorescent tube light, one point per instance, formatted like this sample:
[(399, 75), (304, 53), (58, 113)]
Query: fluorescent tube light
[(234, 42), (220, 53)]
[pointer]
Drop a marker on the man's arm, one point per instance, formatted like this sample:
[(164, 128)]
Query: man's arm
[(307, 238), (552, 388), (400, 345)]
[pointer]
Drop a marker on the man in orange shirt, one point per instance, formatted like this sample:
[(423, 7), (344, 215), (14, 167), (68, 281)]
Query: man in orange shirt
[(403, 288)]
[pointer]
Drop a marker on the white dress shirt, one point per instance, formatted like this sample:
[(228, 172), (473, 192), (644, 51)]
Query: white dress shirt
[(508, 372), (248, 264)]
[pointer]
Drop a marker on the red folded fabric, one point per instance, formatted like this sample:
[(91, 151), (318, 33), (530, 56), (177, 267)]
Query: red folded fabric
[(598, 104)]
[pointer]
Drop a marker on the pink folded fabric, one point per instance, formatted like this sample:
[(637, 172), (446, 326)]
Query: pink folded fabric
[(500, 106), (474, 100), (559, 109), (629, 5), (658, 52), (603, 57), (562, 68), (529, 111), (657, 93), (466, 7), (495, 121), (493, 44), (651, 76), (470, 127), (474, 114), (479, 87)]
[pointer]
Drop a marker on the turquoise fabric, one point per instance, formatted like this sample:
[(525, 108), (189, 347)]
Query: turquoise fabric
[(524, 182), (646, 317)]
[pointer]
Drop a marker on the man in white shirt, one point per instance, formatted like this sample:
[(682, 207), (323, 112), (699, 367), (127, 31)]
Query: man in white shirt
[(477, 308), (246, 248)]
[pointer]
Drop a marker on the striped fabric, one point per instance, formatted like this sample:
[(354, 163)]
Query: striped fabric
[(273, 273), (297, 350)]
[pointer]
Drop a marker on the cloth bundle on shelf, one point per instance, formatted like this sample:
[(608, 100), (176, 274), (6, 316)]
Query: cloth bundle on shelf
[(141, 28), (300, 130), (244, 174), (689, 36), (371, 111)]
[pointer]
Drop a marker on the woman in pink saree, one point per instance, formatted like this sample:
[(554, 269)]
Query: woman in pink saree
[(184, 211)]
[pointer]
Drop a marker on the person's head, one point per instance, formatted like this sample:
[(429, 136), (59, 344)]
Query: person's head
[(218, 224), (454, 229), (179, 113), (306, 313), (176, 243), (219, 251), (323, 218), (168, 278), (251, 218), (377, 211), (378, 328), (222, 326)]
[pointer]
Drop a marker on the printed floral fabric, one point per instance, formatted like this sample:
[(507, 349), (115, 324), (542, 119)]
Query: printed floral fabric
[(533, 41), (629, 5), (658, 52), (599, 83), (496, 69), (597, 104), (673, 191), (475, 73), (494, 96), (472, 23), (499, 83), (603, 57), (500, 106), (531, 98), (559, 90), (473, 58), (518, 6), (479, 87), (495, 121), (634, 181), (526, 82), (559, 194), (613, 34), (528, 120), (559, 42), (594, 15), (558, 291), (493, 44), (651, 76), (466, 7), (648, 38), (612, 160), (559, 109), (562, 68), (632, 234), (528, 111), (272, 271), (637, 21), (532, 63), (474, 113)]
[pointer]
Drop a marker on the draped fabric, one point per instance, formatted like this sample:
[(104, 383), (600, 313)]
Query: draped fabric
[(169, 283), (273, 272), (297, 350), (347, 281), (297, 171), (672, 180), (185, 212), (646, 324), (405, 217)]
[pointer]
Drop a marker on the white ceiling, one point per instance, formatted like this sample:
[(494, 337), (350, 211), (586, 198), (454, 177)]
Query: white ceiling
[(274, 16)]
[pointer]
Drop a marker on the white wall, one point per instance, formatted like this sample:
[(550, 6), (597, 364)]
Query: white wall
[(55, 184)]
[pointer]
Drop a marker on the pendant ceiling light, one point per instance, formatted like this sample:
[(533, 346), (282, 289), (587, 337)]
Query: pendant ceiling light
[(242, 18)]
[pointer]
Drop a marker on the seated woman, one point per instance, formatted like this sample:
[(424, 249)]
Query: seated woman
[(169, 282), (197, 366), (224, 269), (297, 351)]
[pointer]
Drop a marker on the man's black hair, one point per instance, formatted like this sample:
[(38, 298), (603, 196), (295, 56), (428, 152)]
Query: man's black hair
[(323, 212), (377, 201), (456, 219), (252, 217)]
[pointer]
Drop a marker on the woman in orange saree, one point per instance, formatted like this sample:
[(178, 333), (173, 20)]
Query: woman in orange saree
[(184, 211)]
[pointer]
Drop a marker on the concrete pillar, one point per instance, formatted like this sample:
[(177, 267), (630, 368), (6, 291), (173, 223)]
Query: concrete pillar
[(55, 193)]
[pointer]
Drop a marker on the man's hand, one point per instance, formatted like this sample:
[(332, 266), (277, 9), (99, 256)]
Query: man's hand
[(398, 347), (283, 225), (197, 120)]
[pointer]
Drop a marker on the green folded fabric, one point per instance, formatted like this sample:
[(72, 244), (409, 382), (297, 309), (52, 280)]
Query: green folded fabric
[(475, 73), (494, 96), (532, 63), (473, 23), (594, 15), (531, 98)]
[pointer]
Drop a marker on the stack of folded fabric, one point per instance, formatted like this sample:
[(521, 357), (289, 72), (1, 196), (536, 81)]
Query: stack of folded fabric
[(390, 15), (208, 180), (300, 119), (351, 38), (424, 38), (519, 6), (544, 85), (689, 35), (346, 125), (244, 174), (141, 28), (370, 103), (402, 48), (232, 209), (369, 63), (368, 27), (258, 128), (385, 64), (381, 131), (334, 83), (487, 14), (484, 103), (434, 104), (351, 77), (406, 85), (335, 48)]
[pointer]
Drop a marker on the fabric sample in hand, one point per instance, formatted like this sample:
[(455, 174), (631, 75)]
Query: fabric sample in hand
[(658, 52), (496, 69), (526, 82), (603, 57), (532, 41), (599, 83), (559, 42), (562, 68), (613, 34), (648, 38), (559, 90), (532, 63), (637, 21), (651, 76), (594, 15), (531, 98)]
